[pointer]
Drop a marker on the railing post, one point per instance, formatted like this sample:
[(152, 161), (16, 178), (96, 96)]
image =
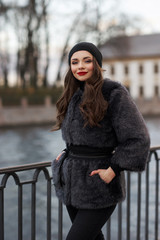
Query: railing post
[(33, 212), (147, 202), (48, 102), (109, 229), (1, 214), (139, 207), (20, 216), (49, 210), (120, 221), (24, 102), (156, 197), (60, 220), (128, 205)]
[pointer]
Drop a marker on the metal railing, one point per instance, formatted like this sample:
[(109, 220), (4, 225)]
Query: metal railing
[(136, 218)]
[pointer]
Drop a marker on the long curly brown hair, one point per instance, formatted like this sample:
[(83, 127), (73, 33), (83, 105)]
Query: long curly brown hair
[(93, 105)]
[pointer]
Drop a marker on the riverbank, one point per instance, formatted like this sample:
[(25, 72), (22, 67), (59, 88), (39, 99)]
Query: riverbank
[(33, 115), (46, 114)]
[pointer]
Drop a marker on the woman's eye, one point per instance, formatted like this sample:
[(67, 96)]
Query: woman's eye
[(74, 63), (88, 61)]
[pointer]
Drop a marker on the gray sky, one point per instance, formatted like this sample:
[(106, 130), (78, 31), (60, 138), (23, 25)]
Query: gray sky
[(62, 12), (149, 9)]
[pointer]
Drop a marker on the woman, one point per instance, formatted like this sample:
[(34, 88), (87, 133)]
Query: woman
[(105, 134)]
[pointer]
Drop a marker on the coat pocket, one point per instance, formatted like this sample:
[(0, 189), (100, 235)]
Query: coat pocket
[(57, 174)]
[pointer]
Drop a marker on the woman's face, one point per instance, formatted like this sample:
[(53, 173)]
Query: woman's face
[(82, 65)]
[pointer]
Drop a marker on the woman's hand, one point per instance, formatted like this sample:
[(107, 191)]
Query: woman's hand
[(58, 157), (106, 175)]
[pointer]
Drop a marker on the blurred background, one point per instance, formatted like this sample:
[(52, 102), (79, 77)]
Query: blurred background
[(36, 35)]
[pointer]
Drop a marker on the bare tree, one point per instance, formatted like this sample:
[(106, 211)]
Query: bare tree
[(29, 67), (4, 68), (4, 56), (46, 30), (29, 20), (68, 37)]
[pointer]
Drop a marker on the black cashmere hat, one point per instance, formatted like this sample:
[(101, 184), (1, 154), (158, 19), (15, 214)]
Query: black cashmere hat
[(87, 46)]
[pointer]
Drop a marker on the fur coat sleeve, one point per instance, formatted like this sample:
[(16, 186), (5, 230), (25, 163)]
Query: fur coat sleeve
[(133, 139)]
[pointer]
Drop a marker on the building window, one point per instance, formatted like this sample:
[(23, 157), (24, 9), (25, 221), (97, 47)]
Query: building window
[(112, 70), (156, 68), (141, 91), (126, 70), (156, 91), (141, 69)]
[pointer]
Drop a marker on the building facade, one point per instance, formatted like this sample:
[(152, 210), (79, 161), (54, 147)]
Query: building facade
[(135, 62)]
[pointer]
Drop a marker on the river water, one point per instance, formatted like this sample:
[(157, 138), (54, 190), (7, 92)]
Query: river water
[(24, 145)]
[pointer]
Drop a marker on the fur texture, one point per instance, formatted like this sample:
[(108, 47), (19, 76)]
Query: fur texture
[(123, 128)]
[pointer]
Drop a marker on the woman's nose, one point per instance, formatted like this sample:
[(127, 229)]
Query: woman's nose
[(81, 65)]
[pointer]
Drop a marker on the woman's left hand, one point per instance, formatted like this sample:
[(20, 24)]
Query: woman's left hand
[(106, 175), (58, 157)]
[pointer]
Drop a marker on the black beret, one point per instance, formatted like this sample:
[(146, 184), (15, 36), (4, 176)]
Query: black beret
[(87, 46)]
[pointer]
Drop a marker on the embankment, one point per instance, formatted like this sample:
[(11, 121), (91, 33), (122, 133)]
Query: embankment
[(46, 114)]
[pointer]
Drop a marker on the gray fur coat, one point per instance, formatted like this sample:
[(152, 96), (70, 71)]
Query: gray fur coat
[(123, 129)]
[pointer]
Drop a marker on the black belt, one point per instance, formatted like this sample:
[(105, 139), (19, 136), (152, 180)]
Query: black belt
[(89, 152)]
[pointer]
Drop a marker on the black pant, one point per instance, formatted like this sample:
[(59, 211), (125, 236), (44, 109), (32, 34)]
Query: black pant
[(87, 223)]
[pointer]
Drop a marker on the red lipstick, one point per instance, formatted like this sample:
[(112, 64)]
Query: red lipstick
[(81, 73)]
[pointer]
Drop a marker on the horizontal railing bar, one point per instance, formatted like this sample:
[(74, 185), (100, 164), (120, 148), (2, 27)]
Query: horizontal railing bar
[(154, 148), (27, 182), (25, 167), (40, 165)]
